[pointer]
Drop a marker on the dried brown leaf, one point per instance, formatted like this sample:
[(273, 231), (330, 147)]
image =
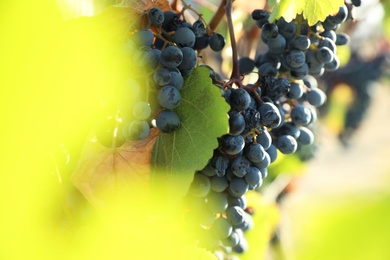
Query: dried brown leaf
[(100, 170)]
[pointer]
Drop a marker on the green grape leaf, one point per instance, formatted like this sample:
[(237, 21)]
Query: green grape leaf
[(312, 10), (203, 114)]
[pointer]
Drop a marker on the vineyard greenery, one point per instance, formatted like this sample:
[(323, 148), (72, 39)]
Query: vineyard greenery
[(70, 192)]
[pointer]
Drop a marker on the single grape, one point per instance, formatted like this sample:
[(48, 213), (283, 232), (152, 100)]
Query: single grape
[(329, 34), (316, 97), (189, 59), (162, 76), (217, 42), (219, 163), (267, 69), (301, 115), (253, 177), (141, 110), (287, 29), (296, 91), (171, 57), (201, 42), (265, 162), (295, 58), (219, 184), (176, 80), (264, 139), (252, 117), (238, 187), (136, 130), (255, 152), (286, 144), (324, 55), (235, 215), (231, 144), (246, 65), (239, 99), (342, 38), (167, 121), (270, 115), (168, 97), (301, 42), (198, 28), (144, 37), (216, 202), (277, 44), (169, 21), (259, 14), (333, 65), (236, 123), (184, 37), (288, 128), (200, 185), (326, 42), (156, 16), (240, 166), (340, 17), (269, 31), (306, 136)]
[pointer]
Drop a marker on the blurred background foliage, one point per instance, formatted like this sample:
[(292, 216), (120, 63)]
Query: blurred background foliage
[(334, 206)]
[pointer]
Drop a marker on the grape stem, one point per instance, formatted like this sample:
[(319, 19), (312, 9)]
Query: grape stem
[(235, 76)]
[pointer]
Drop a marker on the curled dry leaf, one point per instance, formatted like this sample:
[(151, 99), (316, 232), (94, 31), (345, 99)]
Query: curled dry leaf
[(101, 171)]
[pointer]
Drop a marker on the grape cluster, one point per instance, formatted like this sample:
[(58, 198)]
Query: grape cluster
[(170, 45), (273, 115)]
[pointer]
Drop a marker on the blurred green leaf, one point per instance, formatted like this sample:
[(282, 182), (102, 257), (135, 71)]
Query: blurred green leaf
[(312, 10)]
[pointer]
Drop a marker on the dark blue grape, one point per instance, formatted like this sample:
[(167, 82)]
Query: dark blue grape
[(238, 187), (296, 91), (162, 76), (286, 144), (231, 144), (264, 139), (240, 166), (189, 59), (269, 31), (239, 99), (156, 16), (184, 37), (301, 42), (306, 136), (217, 42), (255, 152), (270, 115), (167, 121), (245, 65), (277, 44), (168, 97), (171, 57), (198, 28), (236, 123), (301, 115), (253, 178)]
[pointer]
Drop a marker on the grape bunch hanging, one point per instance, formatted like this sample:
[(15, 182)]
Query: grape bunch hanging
[(275, 114)]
